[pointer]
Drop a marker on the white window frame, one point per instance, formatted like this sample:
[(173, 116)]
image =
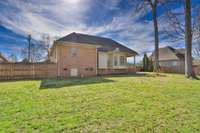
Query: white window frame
[(73, 52), (115, 60), (122, 60)]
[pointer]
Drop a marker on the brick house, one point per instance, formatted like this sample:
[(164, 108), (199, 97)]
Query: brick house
[(86, 55)]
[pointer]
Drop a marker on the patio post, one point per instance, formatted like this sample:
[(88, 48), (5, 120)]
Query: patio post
[(134, 60)]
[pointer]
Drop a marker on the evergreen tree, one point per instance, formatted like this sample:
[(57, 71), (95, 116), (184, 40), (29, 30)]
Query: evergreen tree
[(145, 62)]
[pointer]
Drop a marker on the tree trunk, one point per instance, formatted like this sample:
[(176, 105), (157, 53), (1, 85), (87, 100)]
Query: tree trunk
[(156, 52), (29, 48), (188, 41)]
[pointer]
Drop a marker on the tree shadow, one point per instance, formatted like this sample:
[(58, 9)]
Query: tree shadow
[(139, 74), (50, 84)]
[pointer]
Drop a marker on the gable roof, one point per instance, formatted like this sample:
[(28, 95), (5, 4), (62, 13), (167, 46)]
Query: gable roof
[(3, 59), (106, 44), (169, 53)]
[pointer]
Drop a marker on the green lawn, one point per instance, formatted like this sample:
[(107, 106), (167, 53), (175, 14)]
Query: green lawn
[(126, 103)]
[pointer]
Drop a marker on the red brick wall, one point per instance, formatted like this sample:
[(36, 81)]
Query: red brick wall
[(84, 61)]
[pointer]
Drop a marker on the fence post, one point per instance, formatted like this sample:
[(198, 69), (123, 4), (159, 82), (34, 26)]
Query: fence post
[(33, 70), (11, 71)]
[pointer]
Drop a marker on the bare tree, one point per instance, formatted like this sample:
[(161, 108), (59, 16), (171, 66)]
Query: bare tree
[(36, 51), (196, 50), (29, 48), (178, 30), (196, 33), (13, 58), (153, 4), (188, 41), (174, 26), (45, 41)]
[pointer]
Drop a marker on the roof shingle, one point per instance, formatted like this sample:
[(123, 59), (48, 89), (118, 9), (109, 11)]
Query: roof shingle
[(105, 44), (169, 53)]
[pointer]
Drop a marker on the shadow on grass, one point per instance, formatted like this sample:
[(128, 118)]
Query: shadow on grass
[(50, 84), (139, 74)]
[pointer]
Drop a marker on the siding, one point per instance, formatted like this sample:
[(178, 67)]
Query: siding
[(103, 60), (106, 60)]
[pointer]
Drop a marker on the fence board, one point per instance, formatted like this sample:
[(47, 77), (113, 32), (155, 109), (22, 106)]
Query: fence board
[(179, 70), (172, 69), (197, 69), (27, 71)]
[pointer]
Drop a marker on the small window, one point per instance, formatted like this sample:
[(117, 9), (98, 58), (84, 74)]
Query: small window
[(115, 60), (73, 52), (91, 69), (122, 60)]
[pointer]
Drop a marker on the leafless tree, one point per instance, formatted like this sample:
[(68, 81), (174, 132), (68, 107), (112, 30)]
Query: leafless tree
[(196, 50), (29, 47), (37, 51), (153, 4), (45, 40), (174, 26), (13, 58), (188, 41), (188, 31)]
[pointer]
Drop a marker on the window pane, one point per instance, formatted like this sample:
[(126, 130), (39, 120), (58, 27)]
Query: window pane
[(115, 61), (73, 51), (122, 60)]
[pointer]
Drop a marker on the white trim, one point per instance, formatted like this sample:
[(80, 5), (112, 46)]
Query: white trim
[(119, 66), (103, 60)]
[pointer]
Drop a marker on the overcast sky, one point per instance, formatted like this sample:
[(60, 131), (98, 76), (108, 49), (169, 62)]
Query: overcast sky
[(115, 19)]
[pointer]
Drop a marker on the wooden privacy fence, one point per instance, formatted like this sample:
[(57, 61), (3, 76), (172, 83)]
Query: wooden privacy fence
[(28, 71), (179, 69), (197, 69), (172, 69)]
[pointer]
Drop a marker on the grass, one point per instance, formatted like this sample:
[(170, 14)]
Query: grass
[(126, 103)]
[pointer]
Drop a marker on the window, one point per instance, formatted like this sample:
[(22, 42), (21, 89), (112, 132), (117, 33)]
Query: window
[(122, 60), (91, 69), (174, 63), (73, 52), (115, 61)]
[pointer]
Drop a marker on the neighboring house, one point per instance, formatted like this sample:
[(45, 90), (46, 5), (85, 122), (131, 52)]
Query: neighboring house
[(171, 58), (3, 59), (196, 62), (196, 66), (86, 55)]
